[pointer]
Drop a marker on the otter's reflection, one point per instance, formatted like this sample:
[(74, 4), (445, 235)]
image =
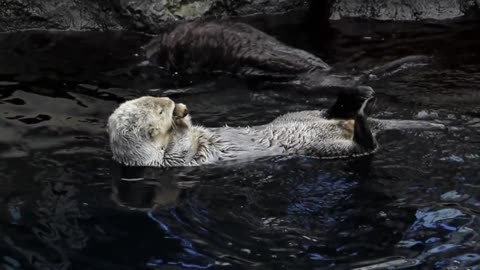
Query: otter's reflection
[(145, 188)]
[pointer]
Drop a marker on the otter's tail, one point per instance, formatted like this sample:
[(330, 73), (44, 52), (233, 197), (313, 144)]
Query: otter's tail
[(395, 66), (384, 124)]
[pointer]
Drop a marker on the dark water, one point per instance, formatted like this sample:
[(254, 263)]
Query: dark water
[(414, 205)]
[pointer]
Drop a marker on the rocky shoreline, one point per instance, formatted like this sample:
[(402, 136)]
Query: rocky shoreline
[(152, 16)]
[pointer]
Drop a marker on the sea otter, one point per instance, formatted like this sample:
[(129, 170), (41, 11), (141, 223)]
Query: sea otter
[(244, 51), (155, 131)]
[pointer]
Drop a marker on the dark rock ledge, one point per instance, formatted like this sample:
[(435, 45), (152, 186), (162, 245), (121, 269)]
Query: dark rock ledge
[(152, 15)]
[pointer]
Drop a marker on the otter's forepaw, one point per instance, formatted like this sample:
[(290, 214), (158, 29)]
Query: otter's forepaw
[(180, 111)]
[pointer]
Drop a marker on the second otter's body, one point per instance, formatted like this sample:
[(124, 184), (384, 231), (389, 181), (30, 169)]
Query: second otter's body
[(244, 51), (236, 48)]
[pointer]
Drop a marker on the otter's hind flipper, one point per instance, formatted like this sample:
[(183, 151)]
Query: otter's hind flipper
[(362, 135), (349, 103), (392, 124)]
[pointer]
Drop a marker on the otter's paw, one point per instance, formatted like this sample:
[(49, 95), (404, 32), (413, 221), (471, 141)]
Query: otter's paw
[(180, 111)]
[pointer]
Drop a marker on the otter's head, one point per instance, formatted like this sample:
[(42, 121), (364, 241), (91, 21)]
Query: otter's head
[(141, 129)]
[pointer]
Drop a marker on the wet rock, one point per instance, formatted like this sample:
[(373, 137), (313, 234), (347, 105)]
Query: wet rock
[(54, 14), (152, 15), (403, 10), (146, 15)]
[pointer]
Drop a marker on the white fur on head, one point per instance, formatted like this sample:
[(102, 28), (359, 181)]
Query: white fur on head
[(139, 131)]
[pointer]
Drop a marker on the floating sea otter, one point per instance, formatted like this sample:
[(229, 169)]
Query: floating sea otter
[(241, 50), (154, 131)]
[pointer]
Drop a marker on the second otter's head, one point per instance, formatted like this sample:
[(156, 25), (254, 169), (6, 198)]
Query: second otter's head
[(141, 129)]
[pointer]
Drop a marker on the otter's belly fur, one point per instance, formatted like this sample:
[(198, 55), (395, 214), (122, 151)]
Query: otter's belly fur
[(301, 133)]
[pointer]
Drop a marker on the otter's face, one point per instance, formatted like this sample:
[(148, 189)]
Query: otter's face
[(140, 129)]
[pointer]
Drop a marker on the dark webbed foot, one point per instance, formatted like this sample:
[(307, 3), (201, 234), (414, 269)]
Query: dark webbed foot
[(349, 102), (362, 134)]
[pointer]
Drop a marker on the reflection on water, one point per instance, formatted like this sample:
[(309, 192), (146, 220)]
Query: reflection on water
[(54, 225), (66, 206)]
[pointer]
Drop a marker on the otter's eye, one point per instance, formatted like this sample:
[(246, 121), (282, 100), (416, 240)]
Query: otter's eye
[(160, 112)]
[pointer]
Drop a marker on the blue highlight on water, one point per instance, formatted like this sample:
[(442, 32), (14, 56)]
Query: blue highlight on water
[(187, 247)]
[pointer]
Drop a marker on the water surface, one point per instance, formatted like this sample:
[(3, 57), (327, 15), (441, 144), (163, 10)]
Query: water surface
[(413, 205)]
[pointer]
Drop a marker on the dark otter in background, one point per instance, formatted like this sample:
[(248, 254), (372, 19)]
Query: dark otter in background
[(241, 50)]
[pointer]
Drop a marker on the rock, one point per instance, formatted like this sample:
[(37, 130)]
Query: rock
[(145, 15), (402, 10), (53, 14), (152, 15)]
